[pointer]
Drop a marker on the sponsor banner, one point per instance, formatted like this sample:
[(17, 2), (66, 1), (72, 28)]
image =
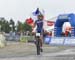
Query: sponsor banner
[(63, 16), (57, 40), (60, 41), (69, 41), (47, 39)]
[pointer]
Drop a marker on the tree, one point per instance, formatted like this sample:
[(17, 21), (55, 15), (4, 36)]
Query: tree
[(19, 26), (27, 27), (4, 25), (23, 27), (12, 24), (7, 27)]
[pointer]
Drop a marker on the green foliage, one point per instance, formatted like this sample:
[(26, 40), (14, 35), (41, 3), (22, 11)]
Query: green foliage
[(24, 27), (27, 27), (19, 26), (5, 26), (13, 24)]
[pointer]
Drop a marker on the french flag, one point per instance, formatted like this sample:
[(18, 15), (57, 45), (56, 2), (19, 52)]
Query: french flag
[(37, 12)]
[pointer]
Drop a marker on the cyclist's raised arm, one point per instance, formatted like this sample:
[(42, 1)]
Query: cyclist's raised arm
[(35, 23), (34, 28)]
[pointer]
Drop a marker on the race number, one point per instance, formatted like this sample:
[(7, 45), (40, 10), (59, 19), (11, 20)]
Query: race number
[(37, 34)]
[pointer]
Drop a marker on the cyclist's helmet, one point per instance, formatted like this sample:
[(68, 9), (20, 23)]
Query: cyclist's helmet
[(40, 17)]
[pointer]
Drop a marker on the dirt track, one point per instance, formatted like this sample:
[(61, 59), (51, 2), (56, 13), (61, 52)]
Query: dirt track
[(17, 49)]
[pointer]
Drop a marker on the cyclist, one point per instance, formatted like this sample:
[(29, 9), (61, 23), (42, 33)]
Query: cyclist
[(39, 29)]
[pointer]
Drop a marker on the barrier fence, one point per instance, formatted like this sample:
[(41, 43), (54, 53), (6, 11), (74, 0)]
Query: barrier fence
[(27, 38), (60, 40), (52, 40)]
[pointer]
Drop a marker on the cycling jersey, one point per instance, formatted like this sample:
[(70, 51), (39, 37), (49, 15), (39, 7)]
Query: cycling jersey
[(39, 24)]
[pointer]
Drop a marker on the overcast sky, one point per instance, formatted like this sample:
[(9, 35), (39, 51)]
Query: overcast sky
[(22, 9)]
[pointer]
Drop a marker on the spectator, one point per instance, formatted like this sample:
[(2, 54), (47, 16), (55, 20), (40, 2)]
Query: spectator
[(67, 34)]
